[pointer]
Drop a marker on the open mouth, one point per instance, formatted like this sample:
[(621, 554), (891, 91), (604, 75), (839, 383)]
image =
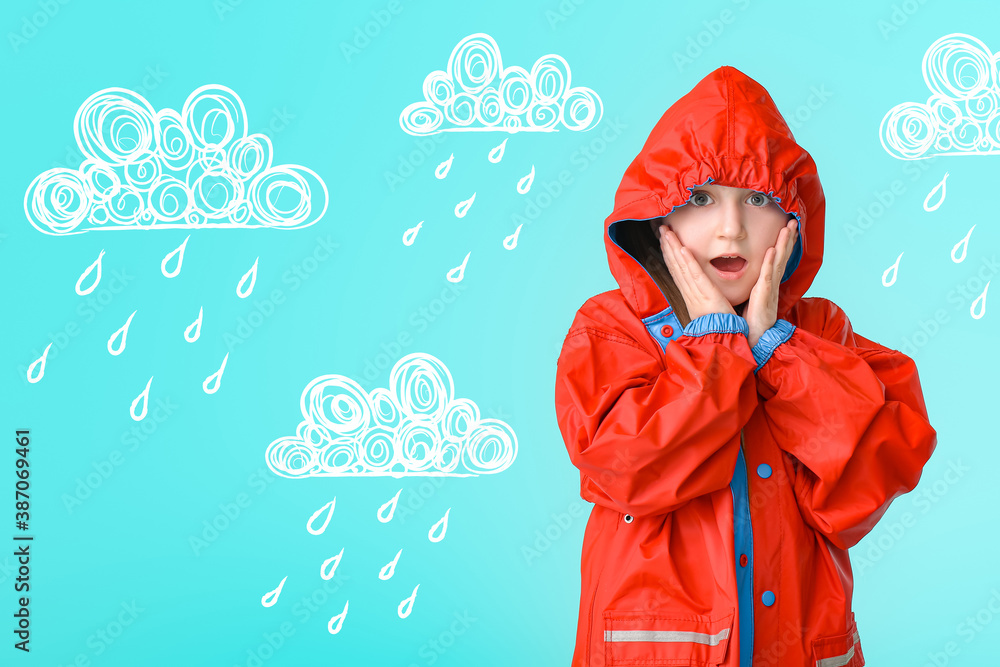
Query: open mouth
[(729, 263)]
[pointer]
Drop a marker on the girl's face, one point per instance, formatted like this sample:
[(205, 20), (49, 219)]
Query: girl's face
[(719, 220)]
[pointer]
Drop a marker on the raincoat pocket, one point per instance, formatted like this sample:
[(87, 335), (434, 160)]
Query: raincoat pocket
[(839, 650), (644, 638)]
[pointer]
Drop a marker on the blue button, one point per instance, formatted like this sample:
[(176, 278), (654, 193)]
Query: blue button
[(767, 598), (764, 470)]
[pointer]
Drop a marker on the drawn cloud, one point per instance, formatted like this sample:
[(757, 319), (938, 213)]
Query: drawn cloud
[(476, 93), (145, 169), (414, 427), (962, 114)]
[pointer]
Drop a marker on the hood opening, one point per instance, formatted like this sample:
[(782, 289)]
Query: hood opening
[(635, 238), (726, 130)]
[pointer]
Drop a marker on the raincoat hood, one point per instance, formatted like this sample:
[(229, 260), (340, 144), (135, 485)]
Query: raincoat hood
[(728, 131)]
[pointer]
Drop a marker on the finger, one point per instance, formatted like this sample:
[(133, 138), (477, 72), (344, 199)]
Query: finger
[(780, 254), (759, 293), (775, 283), (674, 249), (793, 233), (766, 269), (696, 277), (690, 277), (688, 265), (788, 247), (669, 245), (669, 254), (703, 286)]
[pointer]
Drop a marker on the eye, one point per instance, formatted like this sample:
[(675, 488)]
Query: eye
[(700, 198), (759, 199)]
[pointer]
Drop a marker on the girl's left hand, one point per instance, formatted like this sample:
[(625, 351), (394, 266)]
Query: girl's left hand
[(762, 309)]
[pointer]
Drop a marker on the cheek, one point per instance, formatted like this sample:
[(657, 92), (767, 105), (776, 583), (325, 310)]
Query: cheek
[(688, 234), (767, 240), (778, 222), (682, 220), (699, 246)]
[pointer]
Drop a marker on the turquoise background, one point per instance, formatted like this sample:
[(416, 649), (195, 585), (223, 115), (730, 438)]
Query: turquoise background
[(129, 542)]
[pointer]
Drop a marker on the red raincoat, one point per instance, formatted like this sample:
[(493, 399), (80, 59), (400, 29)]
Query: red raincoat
[(728, 482)]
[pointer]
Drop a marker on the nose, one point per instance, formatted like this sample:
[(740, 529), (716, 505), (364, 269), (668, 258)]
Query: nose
[(731, 223)]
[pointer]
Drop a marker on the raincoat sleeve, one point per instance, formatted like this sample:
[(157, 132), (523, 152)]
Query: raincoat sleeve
[(851, 414), (651, 432)]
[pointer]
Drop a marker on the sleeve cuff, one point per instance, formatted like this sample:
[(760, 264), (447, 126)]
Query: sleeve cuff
[(717, 323), (770, 340)]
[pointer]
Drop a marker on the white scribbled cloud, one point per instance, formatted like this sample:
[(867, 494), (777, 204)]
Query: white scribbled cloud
[(147, 169), (477, 93), (416, 426), (962, 114)]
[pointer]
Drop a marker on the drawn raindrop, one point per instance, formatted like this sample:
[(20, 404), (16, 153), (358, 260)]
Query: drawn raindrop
[(511, 241), (271, 597), (888, 282), (457, 277), (410, 235), (39, 363), (407, 603), (144, 398), (524, 184), (179, 252), (335, 560), (211, 383), (196, 325), (329, 507), (497, 153), (386, 573), (391, 506), (339, 618), (442, 524), (463, 206), (940, 186), (250, 275), (443, 168), (981, 300), (123, 332), (96, 264), (964, 244)]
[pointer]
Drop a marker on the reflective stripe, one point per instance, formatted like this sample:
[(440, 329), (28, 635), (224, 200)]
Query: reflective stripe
[(836, 661), (839, 660), (664, 636)]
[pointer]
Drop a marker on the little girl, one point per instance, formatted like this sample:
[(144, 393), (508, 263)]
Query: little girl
[(735, 437)]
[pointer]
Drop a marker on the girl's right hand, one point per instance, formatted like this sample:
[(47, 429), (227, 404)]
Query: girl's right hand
[(700, 294)]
